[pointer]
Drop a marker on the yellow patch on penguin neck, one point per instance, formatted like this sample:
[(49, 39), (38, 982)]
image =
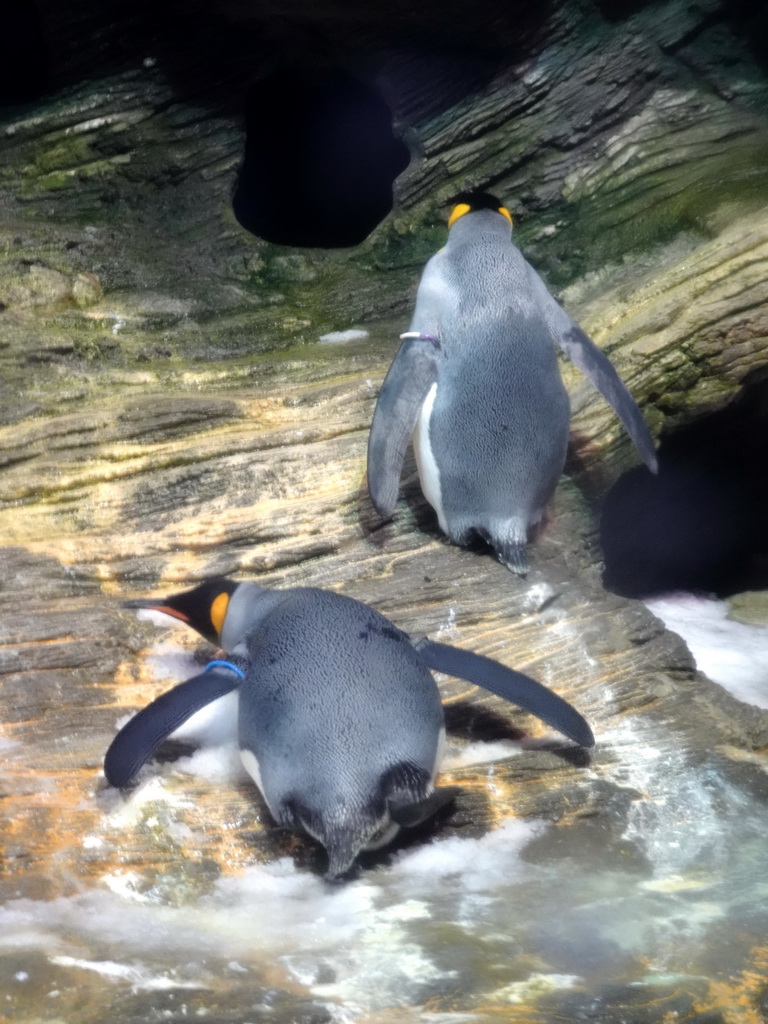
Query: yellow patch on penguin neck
[(461, 208), (219, 611), (458, 211)]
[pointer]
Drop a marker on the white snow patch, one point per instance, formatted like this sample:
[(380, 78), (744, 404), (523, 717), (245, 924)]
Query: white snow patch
[(129, 812), (447, 627), (679, 819), (474, 865), (339, 337), (731, 653), (366, 945), (537, 985), (7, 744), (479, 753), (126, 884), (537, 596), (214, 725), (221, 763), (141, 980), (170, 661), (157, 618)]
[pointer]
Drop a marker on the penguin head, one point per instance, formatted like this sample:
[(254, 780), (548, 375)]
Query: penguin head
[(472, 202), (204, 608)]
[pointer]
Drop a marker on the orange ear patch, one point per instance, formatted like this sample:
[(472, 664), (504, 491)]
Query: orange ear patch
[(218, 611), (458, 211), (461, 208)]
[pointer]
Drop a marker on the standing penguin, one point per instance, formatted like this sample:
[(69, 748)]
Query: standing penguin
[(340, 721), (476, 381)]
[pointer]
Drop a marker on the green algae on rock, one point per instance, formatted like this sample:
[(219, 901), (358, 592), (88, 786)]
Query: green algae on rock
[(167, 415)]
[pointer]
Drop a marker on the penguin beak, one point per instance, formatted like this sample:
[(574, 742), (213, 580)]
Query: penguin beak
[(153, 606)]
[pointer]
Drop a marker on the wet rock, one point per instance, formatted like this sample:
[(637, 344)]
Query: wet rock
[(150, 487), (37, 285), (86, 290), (167, 415), (750, 608)]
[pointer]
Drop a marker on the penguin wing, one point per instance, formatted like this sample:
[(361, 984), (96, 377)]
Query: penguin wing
[(408, 815), (512, 686), (585, 354), (593, 362), (139, 738), (411, 375)]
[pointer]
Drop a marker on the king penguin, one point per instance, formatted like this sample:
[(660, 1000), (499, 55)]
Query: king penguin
[(476, 382), (340, 720)]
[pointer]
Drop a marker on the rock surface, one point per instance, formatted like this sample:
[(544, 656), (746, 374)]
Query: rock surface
[(168, 414), (257, 467)]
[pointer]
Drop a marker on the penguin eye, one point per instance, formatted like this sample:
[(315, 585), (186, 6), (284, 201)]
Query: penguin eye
[(218, 611), (505, 213), (458, 211)]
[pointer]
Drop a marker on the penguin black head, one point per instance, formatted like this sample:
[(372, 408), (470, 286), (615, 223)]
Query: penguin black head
[(203, 608), (471, 202)]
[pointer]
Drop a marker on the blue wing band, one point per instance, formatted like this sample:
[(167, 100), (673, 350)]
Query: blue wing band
[(216, 663)]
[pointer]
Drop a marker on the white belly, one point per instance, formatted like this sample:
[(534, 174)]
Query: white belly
[(429, 474), (439, 754), (251, 765)]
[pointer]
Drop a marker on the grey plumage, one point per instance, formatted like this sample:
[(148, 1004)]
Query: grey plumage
[(339, 723), (482, 392), (340, 720), (342, 717)]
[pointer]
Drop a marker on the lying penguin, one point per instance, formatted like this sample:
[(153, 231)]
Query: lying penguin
[(340, 721), (476, 382)]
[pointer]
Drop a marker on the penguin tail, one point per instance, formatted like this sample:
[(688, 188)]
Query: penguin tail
[(514, 556), (342, 845), (512, 552), (509, 539)]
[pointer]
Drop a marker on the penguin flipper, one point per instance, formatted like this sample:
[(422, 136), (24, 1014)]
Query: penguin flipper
[(593, 362), (408, 815), (411, 375), (140, 737), (512, 686), (596, 365)]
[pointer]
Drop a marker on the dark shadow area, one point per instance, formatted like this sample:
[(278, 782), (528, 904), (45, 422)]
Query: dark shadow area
[(211, 49), (749, 21), (425, 517), (467, 811), (24, 55), (320, 159), (701, 523), (408, 838), (475, 722), (420, 80), (618, 10)]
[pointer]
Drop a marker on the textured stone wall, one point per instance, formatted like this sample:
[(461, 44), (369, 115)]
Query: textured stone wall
[(167, 413)]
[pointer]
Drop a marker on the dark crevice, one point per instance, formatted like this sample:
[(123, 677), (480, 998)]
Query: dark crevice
[(24, 55), (700, 525), (320, 159), (714, 18), (749, 22)]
